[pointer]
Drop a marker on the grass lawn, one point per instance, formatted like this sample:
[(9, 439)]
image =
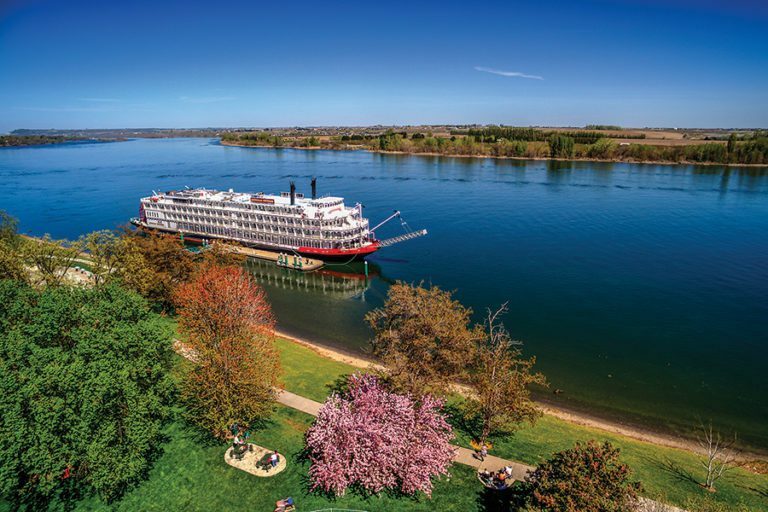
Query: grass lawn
[(667, 474), (307, 373), (191, 475)]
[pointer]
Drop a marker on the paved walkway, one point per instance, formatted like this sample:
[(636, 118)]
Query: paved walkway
[(298, 402), (463, 455)]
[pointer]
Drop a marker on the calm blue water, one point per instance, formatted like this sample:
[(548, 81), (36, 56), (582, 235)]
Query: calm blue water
[(642, 289)]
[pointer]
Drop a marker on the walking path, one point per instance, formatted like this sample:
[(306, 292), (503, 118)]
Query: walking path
[(463, 455)]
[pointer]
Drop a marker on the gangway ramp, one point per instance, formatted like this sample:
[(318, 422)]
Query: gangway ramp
[(402, 238)]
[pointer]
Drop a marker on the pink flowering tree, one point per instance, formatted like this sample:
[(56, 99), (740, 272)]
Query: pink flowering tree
[(378, 440)]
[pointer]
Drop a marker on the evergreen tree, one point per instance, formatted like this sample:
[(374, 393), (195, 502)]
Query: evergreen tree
[(731, 144)]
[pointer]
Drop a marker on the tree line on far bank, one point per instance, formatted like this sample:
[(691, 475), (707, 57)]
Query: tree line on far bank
[(32, 140), (531, 143)]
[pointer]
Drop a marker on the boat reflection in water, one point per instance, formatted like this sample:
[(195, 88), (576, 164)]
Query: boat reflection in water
[(315, 305), (344, 281)]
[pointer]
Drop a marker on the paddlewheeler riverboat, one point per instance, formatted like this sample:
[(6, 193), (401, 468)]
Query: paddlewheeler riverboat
[(317, 227)]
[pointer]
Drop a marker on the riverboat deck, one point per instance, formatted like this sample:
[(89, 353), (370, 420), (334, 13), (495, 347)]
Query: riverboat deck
[(285, 260)]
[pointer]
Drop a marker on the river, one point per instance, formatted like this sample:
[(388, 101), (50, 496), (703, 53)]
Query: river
[(641, 289)]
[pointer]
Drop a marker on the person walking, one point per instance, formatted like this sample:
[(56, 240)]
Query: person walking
[(482, 453)]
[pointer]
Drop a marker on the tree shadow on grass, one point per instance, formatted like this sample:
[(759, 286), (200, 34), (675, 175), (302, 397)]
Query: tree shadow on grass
[(507, 500), (356, 490), (197, 435), (681, 474), (762, 492), (470, 425), (66, 498), (202, 437), (340, 386)]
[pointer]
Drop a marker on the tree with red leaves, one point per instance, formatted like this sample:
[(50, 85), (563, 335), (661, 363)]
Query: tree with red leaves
[(230, 328), (374, 439)]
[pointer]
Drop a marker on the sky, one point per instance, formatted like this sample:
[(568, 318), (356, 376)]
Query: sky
[(635, 63)]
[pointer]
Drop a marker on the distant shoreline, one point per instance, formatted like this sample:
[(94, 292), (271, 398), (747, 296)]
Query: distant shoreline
[(647, 435), (15, 141), (492, 157)]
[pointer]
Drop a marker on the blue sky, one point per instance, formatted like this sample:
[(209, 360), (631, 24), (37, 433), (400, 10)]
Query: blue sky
[(116, 63)]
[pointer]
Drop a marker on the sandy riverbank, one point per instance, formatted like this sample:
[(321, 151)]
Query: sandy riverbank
[(571, 416)]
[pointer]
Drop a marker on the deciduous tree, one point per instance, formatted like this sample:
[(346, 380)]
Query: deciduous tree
[(378, 440), (84, 391), (153, 264), (11, 258), (586, 478), (500, 379), (229, 325), (51, 259), (560, 146), (603, 148), (719, 454), (105, 250), (423, 337), (220, 254)]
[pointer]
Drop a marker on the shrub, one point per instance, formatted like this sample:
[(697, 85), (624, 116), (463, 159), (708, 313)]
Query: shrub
[(586, 478)]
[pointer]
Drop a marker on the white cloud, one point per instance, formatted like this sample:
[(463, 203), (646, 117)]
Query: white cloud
[(205, 99), (508, 73)]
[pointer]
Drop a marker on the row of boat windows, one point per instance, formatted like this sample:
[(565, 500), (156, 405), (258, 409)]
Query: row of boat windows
[(223, 221), (267, 238), (269, 229), (328, 204), (291, 219), (256, 206)]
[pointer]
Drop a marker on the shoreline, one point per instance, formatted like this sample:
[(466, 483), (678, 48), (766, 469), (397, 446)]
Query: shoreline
[(59, 143), (646, 435), (517, 158)]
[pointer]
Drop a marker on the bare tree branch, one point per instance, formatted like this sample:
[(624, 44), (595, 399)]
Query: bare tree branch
[(719, 454)]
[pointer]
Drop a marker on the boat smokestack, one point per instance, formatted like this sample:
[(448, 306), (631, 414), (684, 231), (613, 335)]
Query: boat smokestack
[(293, 193), (314, 187)]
